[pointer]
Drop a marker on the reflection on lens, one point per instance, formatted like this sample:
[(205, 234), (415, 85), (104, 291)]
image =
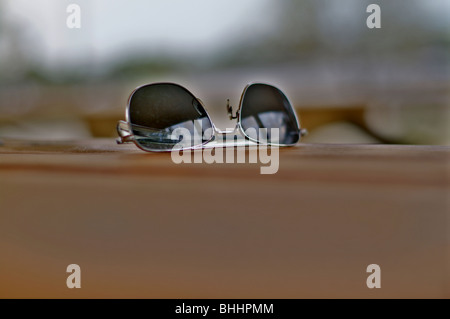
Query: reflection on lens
[(264, 106), (157, 110)]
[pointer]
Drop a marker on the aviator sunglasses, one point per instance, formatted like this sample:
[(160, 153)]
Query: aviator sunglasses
[(156, 111)]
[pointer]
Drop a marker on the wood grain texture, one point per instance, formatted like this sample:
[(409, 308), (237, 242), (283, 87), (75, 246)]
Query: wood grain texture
[(141, 226)]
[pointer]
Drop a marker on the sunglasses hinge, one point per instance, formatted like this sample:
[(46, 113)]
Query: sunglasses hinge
[(230, 111), (125, 135)]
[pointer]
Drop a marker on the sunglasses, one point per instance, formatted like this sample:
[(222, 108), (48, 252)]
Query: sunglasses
[(156, 112)]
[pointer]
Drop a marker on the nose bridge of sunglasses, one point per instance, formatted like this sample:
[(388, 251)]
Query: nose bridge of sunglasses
[(227, 131), (230, 111), (229, 135)]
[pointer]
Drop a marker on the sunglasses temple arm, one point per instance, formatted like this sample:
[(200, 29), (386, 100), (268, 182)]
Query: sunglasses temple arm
[(125, 135), (303, 132)]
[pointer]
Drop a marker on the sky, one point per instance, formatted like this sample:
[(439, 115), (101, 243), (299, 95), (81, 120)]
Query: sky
[(111, 28)]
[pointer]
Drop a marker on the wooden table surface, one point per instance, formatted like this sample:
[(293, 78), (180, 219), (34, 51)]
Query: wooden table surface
[(140, 226)]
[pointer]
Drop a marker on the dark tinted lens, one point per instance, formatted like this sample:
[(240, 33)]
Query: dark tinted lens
[(265, 106), (156, 112)]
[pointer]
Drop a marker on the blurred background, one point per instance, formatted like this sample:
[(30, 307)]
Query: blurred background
[(348, 83)]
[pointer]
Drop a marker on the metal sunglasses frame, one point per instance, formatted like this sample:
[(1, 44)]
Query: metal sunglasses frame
[(126, 135)]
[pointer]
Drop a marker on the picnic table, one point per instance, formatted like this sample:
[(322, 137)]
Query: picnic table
[(141, 226)]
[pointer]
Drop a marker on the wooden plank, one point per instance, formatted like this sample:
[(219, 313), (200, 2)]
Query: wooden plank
[(141, 226)]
